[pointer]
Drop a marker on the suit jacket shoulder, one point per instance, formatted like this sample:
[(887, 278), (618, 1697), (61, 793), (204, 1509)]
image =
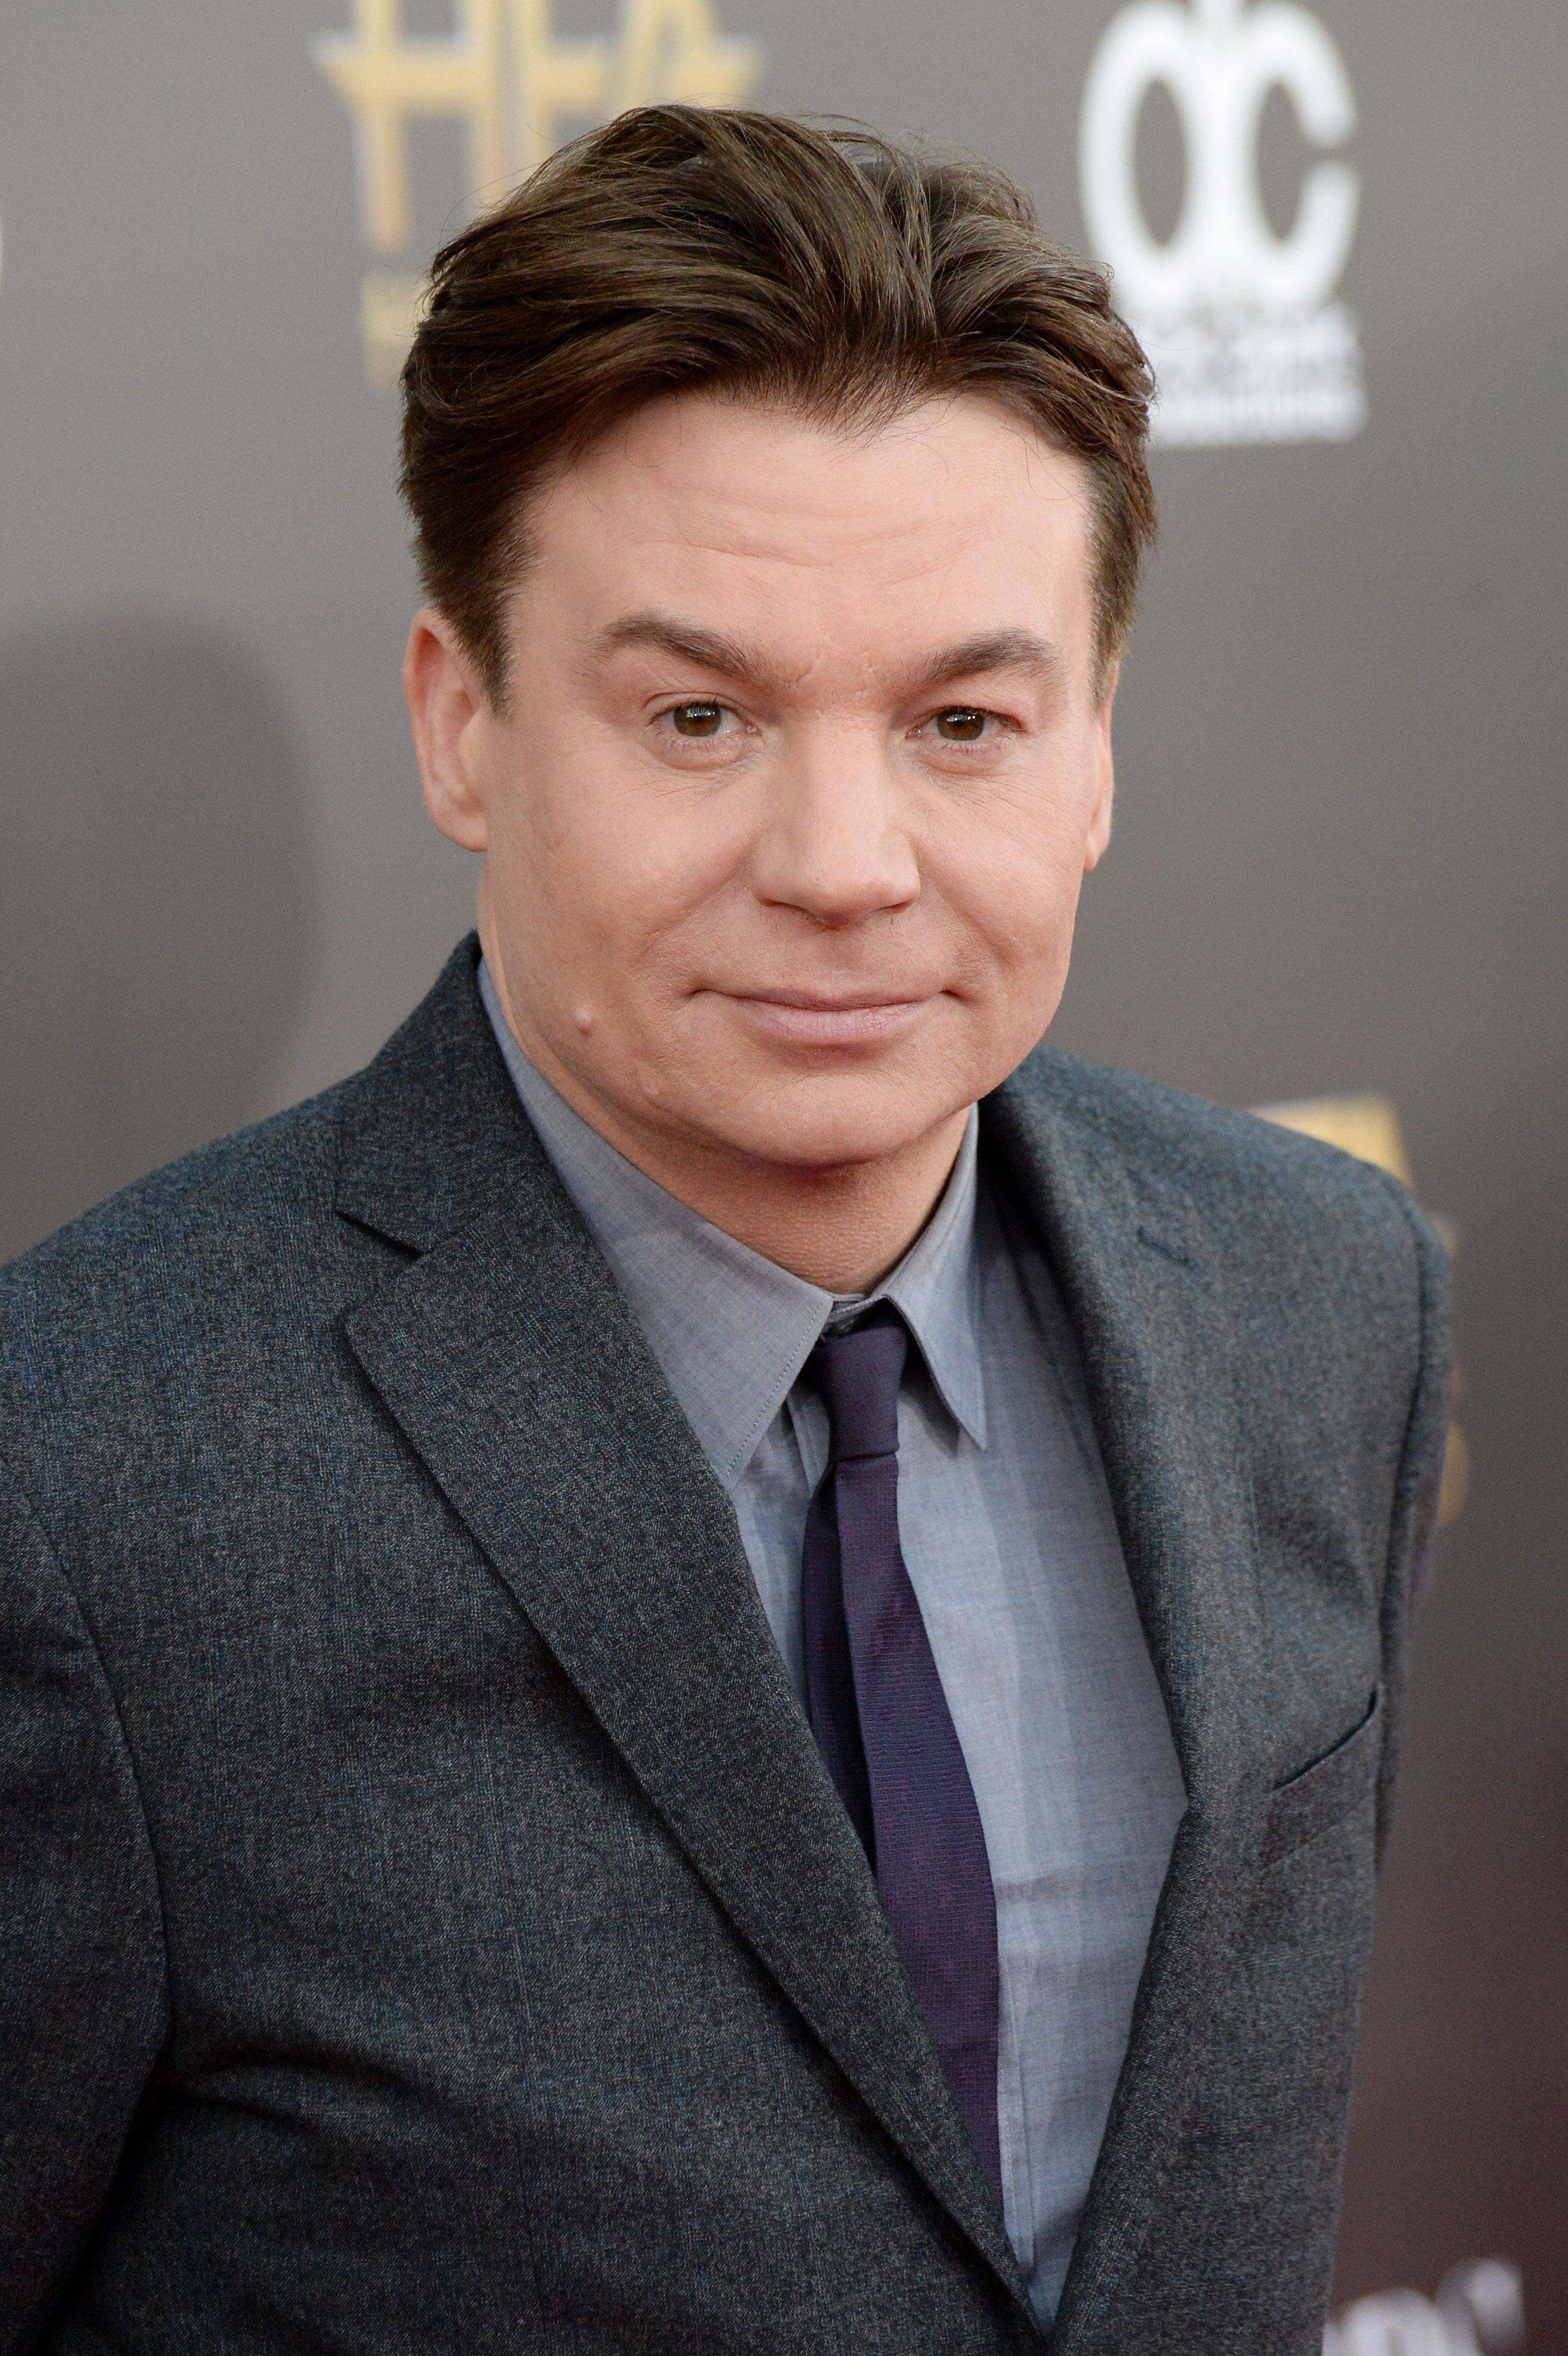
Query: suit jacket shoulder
[(217, 1264), (1331, 1285), (1270, 1201)]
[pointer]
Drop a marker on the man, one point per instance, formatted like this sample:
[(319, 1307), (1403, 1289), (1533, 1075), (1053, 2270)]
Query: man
[(715, 1662)]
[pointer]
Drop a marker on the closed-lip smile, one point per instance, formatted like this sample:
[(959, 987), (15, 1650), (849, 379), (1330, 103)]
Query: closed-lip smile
[(814, 1019)]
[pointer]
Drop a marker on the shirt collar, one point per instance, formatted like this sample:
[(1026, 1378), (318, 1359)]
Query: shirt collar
[(732, 1330)]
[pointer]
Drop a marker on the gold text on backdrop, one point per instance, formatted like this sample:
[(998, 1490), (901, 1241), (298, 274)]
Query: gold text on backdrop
[(517, 89)]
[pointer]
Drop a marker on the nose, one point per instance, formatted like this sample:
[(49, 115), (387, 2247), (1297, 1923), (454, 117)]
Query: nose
[(836, 843)]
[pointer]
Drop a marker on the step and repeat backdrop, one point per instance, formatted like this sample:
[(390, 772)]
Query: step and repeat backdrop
[(1338, 887)]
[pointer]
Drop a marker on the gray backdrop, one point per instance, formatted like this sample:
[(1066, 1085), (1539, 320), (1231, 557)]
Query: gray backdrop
[(1340, 856)]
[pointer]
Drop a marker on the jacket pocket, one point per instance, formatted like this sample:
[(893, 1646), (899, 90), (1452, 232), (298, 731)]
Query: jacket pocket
[(1332, 1787)]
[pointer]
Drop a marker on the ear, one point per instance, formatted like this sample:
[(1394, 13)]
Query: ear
[(1099, 831), (446, 702)]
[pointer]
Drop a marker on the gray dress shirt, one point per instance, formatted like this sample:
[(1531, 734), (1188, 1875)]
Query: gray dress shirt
[(1008, 1530)]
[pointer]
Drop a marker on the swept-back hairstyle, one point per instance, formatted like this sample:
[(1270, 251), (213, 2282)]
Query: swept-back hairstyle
[(684, 249)]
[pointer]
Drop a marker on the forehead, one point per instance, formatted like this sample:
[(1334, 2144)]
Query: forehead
[(954, 516)]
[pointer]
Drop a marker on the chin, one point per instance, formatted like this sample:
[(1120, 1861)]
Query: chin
[(833, 1134)]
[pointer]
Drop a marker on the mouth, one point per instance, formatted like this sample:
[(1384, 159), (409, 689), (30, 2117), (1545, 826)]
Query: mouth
[(805, 1018)]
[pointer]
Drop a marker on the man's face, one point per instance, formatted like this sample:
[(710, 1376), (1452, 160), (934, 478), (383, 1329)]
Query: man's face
[(785, 820)]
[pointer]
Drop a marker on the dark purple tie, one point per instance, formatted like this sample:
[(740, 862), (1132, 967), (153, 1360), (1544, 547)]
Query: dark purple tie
[(882, 1724)]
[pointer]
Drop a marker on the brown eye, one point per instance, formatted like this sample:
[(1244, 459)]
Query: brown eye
[(698, 719), (961, 725)]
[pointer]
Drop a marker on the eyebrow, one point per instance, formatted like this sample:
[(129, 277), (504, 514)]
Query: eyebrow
[(688, 642), (994, 651), (972, 658)]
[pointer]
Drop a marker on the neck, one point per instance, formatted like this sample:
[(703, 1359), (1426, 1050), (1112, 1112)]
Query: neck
[(842, 1228)]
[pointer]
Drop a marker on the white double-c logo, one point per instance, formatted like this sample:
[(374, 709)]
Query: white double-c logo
[(1219, 59)]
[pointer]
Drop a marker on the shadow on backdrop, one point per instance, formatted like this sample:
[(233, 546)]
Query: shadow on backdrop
[(157, 906)]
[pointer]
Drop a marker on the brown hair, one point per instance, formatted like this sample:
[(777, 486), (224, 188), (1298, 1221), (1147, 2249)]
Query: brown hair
[(683, 248)]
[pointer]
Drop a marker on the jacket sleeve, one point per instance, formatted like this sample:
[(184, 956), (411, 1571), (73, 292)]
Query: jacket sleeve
[(83, 1991), (1413, 1527)]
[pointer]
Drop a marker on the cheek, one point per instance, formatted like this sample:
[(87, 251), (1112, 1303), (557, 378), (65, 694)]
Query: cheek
[(1012, 881), (608, 870)]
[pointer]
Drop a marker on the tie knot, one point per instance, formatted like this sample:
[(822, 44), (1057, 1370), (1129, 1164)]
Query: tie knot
[(859, 1375)]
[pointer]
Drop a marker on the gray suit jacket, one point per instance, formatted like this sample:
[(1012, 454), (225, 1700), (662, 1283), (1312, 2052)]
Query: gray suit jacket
[(427, 1924)]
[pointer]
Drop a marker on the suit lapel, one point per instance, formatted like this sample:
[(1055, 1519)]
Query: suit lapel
[(1166, 1409), (513, 1368)]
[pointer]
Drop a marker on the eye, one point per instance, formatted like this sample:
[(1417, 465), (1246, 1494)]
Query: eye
[(962, 724), (697, 719)]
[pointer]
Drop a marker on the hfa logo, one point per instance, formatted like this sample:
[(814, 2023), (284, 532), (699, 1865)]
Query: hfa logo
[(517, 89), (1246, 341)]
